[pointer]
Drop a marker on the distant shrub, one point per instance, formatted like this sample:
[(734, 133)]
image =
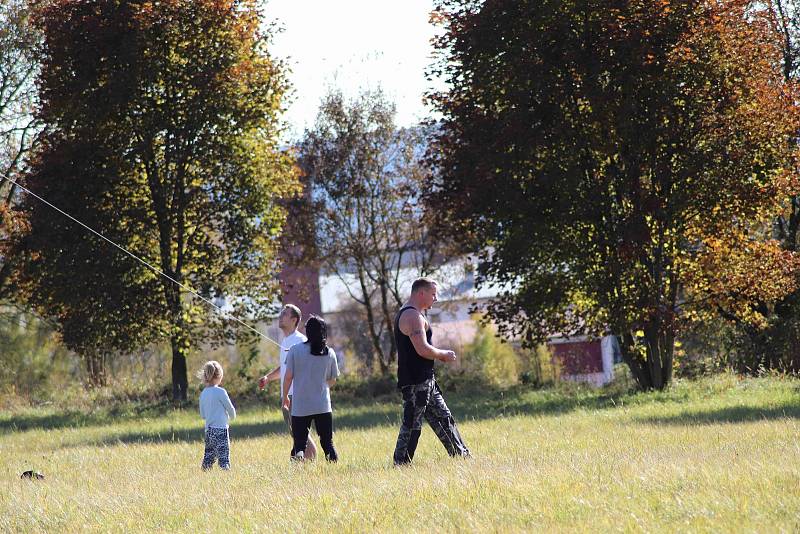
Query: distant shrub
[(356, 387), (623, 381), (34, 363), (709, 348), (538, 367), (485, 361)]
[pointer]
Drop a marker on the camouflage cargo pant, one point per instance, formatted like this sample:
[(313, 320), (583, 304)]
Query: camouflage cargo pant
[(425, 401)]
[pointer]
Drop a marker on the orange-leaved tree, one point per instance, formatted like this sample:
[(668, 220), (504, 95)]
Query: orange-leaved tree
[(597, 154)]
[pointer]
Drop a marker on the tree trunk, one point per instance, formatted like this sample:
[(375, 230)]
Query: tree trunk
[(373, 333), (659, 349), (180, 381), (96, 369), (636, 363), (179, 341), (654, 371), (376, 342), (388, 319)]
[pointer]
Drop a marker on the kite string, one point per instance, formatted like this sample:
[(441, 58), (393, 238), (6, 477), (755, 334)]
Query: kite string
[(147, 264)]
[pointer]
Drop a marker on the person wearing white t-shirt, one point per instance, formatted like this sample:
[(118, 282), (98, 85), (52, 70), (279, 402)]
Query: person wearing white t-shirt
[(288, 321)]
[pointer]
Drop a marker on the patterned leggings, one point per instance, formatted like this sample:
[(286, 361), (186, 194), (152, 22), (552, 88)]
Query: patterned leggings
[(217, 446), (425, 401)]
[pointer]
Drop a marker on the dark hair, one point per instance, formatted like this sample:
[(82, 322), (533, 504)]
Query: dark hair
[(422, 283), (317, 333)]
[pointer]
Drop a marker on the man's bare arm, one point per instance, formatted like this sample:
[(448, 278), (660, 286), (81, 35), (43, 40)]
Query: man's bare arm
[(412, 324)]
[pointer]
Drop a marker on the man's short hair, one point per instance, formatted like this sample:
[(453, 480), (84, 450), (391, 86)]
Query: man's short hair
[(294, 311), (423, 283)]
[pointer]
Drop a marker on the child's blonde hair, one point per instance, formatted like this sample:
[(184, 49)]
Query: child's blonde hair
[(210, 371)]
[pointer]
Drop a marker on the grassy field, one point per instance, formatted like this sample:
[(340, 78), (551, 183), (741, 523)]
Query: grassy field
[(717, 455)]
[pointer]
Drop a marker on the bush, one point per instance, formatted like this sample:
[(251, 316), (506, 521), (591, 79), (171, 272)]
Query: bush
[(485, 361), (539, 368), (708, 348), (623, 382), (33, 362), (355, 387)]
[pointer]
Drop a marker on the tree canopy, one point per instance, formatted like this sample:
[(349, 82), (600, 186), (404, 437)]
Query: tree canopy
[(162, 129), (603, 157), (365, 177)]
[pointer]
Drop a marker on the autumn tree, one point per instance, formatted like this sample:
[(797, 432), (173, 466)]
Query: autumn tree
[(766, 330), (162, 123), (18, 124), (364, 176), (599, 155), (772, 343)]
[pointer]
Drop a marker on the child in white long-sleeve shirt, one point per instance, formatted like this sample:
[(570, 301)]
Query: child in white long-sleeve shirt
[(216, 408)]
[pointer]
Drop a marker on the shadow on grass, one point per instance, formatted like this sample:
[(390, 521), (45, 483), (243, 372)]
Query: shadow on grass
[(54, 420), (365, 413), (348, 415), (732, 414), (187, 435)]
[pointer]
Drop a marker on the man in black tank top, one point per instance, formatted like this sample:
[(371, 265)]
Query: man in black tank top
[(422, 397)]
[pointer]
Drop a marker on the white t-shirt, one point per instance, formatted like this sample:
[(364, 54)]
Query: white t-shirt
[(288, 342)]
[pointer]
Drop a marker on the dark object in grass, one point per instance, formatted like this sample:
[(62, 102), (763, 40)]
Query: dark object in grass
[(33, 475)]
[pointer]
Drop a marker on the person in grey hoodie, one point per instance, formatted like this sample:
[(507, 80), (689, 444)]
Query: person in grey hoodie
[(216, 409)]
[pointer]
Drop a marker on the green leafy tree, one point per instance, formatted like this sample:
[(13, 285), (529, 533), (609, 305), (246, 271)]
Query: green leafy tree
[(162, 123), (602, 156)]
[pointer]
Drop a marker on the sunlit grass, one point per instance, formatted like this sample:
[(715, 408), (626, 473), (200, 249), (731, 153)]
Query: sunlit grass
[(717, 455)]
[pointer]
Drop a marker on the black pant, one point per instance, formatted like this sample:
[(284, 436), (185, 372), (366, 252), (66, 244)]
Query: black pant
[(324, 424)]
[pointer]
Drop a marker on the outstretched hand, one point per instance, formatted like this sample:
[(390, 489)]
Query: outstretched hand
[(262, 382)]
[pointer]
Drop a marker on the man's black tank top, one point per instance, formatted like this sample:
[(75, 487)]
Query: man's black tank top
[(411, 367)]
